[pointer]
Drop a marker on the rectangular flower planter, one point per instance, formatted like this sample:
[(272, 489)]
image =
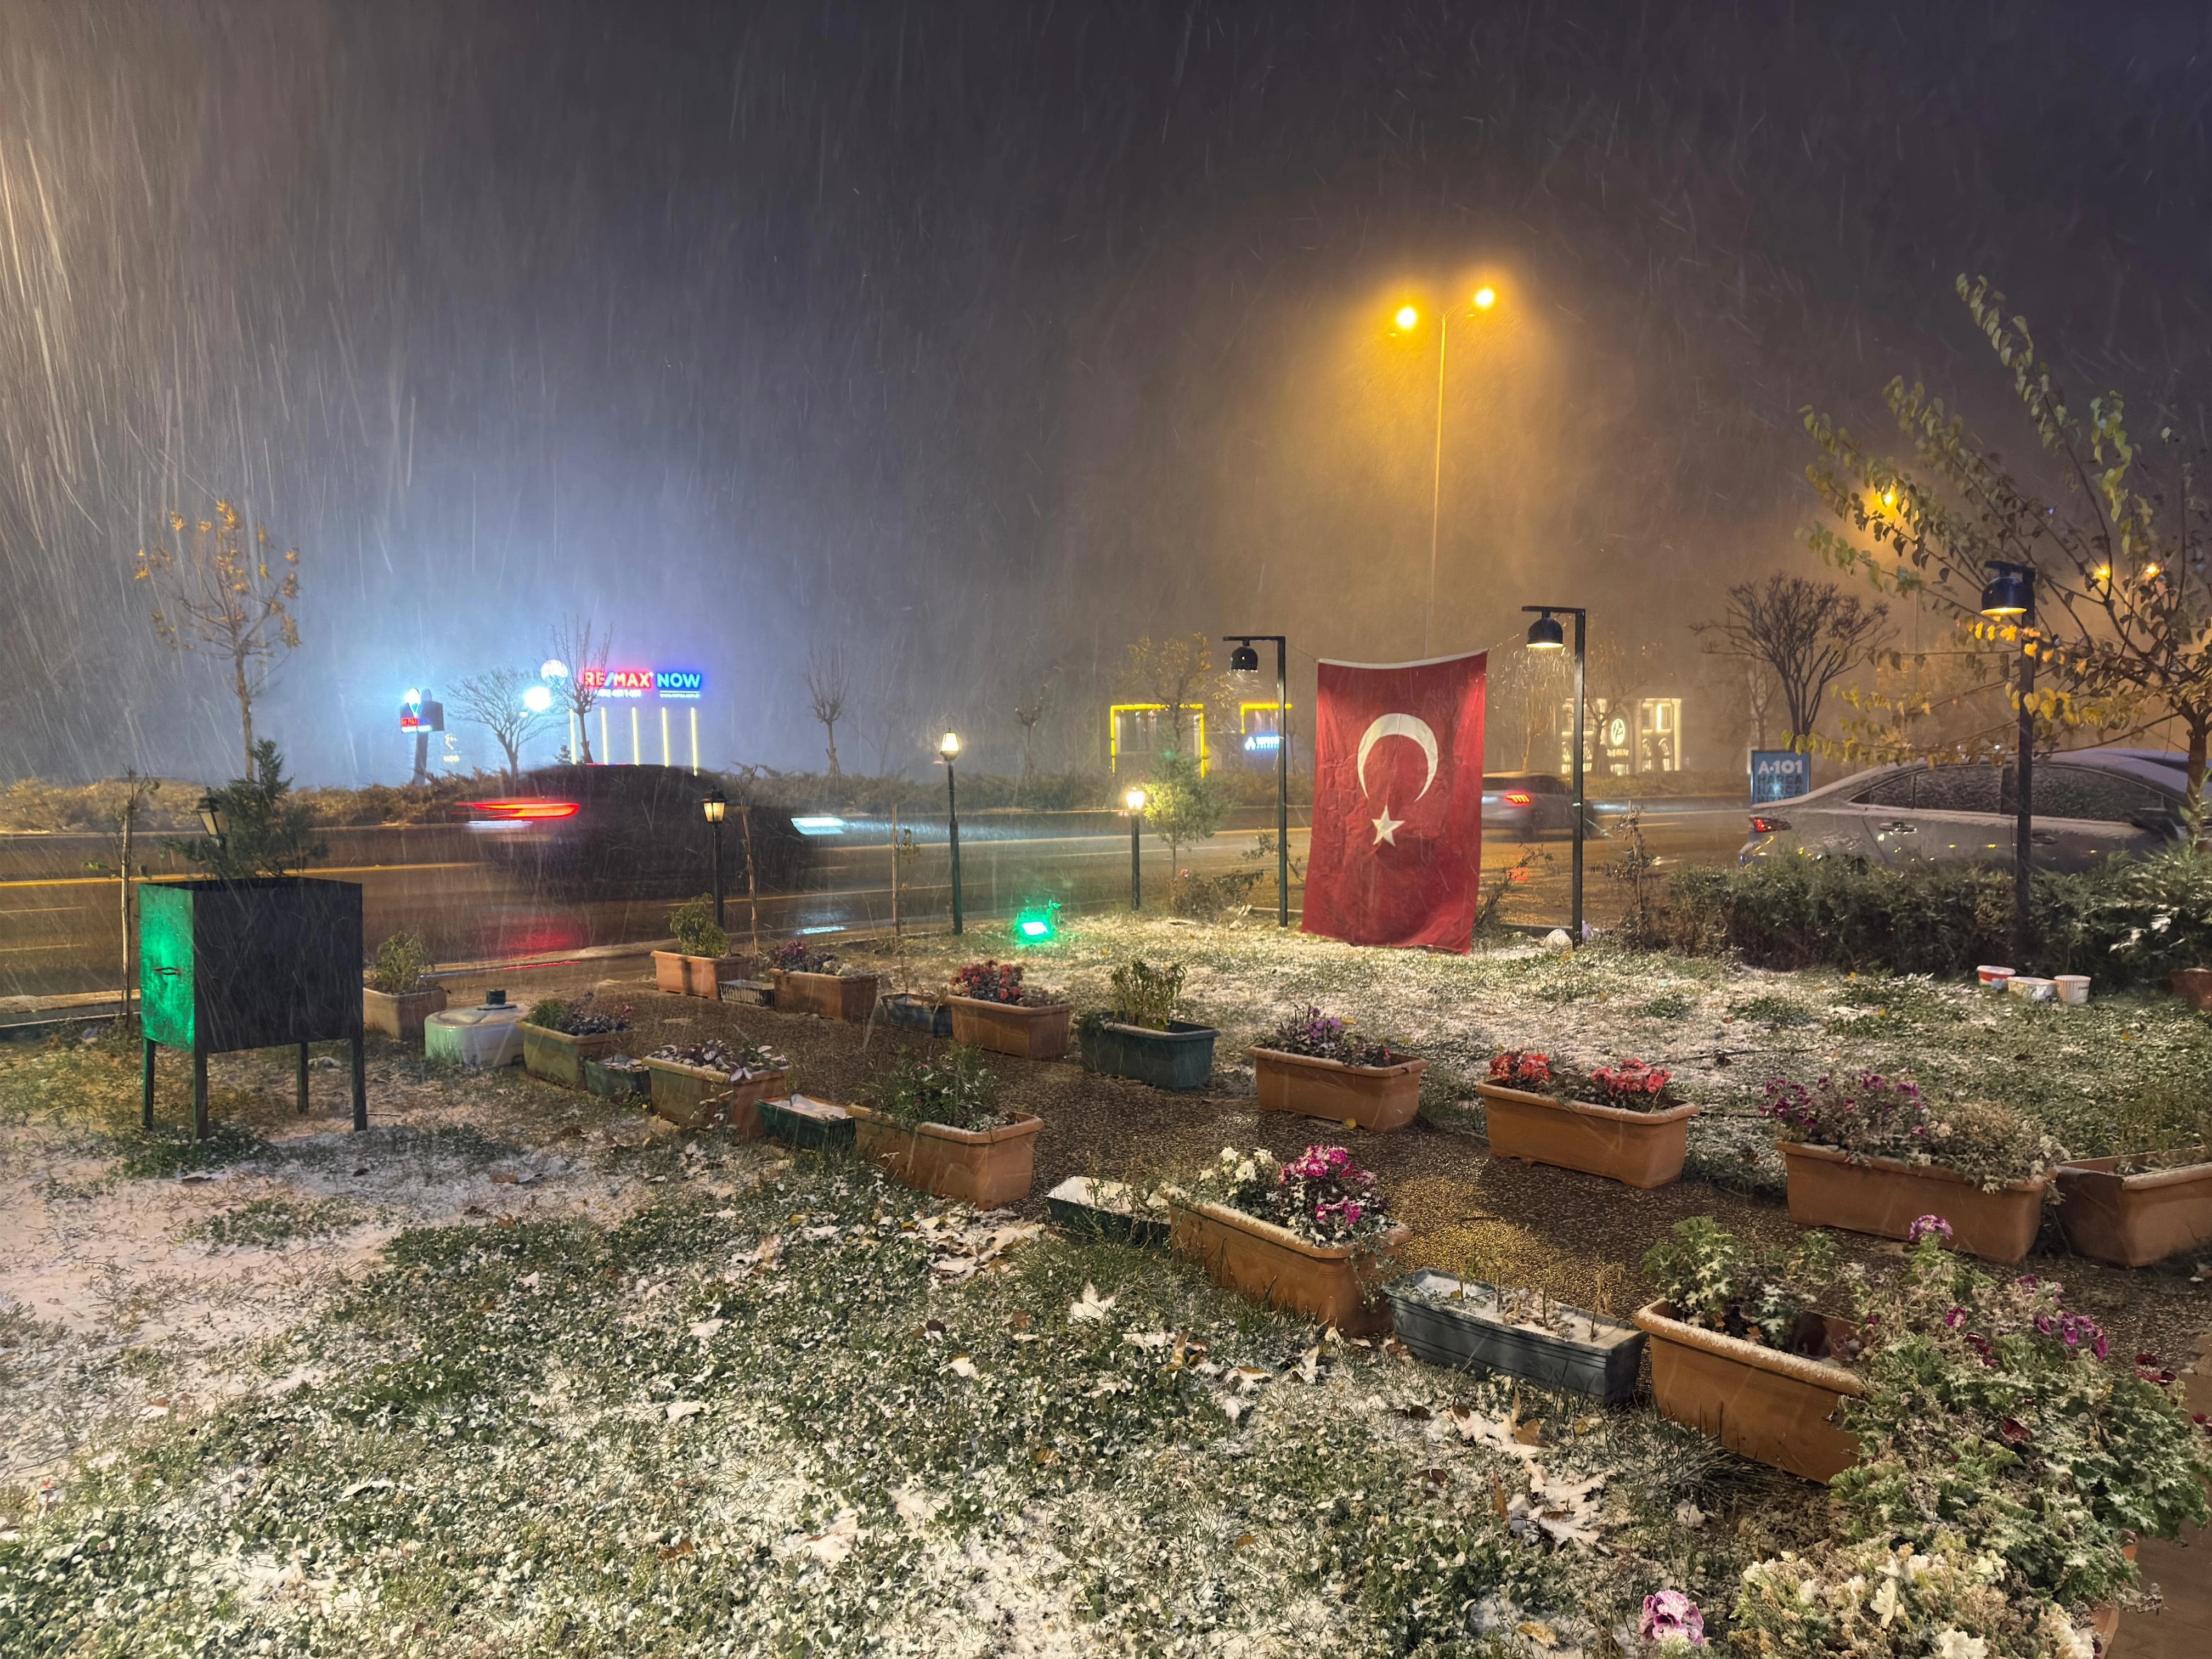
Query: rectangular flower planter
[(1379, 1098), (400, 1016), (680, 975), (1774, 1407), (559, 1058), (1006, 1028), (830, 996), (691, 1097), (1637, 1149), (2133, 1220), (986, 1168), (1179, 1058), (1338, 1285), (1883, 1197), (1104, 1209), (813, 1125), (612, 1082), (1594, 1356), (915, 1014)]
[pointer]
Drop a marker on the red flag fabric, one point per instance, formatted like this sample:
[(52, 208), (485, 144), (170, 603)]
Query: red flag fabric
[(1397, 826)]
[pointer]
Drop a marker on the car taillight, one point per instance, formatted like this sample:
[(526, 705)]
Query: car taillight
[(1518, 797), (1768, 826), (517, 812)]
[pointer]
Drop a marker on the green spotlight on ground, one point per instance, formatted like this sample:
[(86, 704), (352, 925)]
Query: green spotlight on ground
[(1038, 925)]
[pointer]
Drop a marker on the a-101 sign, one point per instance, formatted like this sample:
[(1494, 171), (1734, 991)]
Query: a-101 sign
[(682, 683)]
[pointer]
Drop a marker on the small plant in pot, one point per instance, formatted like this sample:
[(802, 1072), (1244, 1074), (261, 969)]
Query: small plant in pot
[(399, 996), (695, 1083), (1306, 1236), (809, 979), (1869, 1154), (935, 1124), (1140, 1037), (559, 1034), (1318, 1066), (1622, 1120), (993, 1009), (700, 961)]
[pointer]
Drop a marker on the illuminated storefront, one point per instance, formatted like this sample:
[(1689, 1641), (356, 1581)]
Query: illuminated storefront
[(1138, 733)]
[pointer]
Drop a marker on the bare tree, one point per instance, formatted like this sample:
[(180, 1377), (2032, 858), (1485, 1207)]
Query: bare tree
[(584, 656), (214, 594), (1810, 633), (826, 689), (492, 700), (1169, 672), (1759, 687), (125, 803), (1029, 714)]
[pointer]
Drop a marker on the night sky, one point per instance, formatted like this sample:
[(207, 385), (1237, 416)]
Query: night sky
[(975, 339)]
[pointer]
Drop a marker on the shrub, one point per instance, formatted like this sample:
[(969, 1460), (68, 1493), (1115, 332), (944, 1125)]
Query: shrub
[(954, 1089), (269, 826), (401, 960), (998, 982), (739, 1063), (577, 1018), (1323, 1036), (1715, 1281), (1322, 1196), (1868, 1115), (1209, 898), (796, 956), (1633, 1085), (1145, 995), (698, 932)]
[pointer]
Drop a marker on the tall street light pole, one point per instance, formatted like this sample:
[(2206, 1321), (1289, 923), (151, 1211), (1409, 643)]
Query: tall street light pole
[(1135, 801), (1545, 634), (716, 806), (2011, 597), (1245, 660), (949, 746), (1407, 319)]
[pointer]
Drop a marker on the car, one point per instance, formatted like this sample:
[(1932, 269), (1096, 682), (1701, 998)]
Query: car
[(1522, 805), (634, 831), (2089, 806)]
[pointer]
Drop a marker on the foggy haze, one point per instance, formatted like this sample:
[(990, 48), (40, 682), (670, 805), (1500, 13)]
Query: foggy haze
[(975, 340)]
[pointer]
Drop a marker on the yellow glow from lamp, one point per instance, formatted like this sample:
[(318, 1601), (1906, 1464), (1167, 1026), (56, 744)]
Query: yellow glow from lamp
[(1485, 298), (1135, 799), (948, 745), (1407, 319)]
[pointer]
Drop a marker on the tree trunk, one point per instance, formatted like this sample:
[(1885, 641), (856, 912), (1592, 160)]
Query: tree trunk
[(830, 726), (245, 715), (584, 732), (2198, 730), (513, 760)]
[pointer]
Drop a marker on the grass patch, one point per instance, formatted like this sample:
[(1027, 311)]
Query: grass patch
[(1782, 1012), (262, 1222), (160, 1152)]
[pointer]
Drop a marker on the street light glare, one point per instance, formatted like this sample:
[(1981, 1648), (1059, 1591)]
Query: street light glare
[(1485, 298), (537, 699), (948, 745), (1408, 317), (1136, 800)]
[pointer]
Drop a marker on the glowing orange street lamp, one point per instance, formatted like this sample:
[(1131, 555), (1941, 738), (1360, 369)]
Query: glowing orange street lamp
[(1408, 319)]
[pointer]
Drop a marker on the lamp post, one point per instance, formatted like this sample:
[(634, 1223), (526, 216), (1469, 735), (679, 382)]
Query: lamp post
[(715, 805), (1135, 799), (1245, 660), (1545, 634), (216, 822), (949, 747), (1407, 319), (2011, 597)]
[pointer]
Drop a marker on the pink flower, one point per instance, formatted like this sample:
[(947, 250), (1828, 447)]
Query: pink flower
[(1352, 1213), (1671, 1615), (1929, 1226)]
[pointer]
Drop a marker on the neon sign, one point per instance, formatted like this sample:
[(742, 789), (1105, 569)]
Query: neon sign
[(683, 684)]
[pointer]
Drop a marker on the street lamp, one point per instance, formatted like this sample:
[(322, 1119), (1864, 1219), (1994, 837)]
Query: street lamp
[(1246, 660), (1545, 633), (1407, 319), (1135, 799), (715, 805), (214, 820), (2011, 597), (949, 747)]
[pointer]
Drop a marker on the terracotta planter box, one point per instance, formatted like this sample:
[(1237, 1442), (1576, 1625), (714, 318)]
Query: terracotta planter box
[(1006, 1028), (1377, 1098), (1884, 1196), (1773, 1407), (1179, 1058), (832, 996), (400, 1016), (691, 1097), (559, 1058), (2193, 987), (2133, 1220), (986, 1168), (1638, 1149), (680, 975), (1338, 1285)]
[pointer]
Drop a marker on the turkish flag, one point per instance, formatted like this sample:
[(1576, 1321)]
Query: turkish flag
[(1397, 823)]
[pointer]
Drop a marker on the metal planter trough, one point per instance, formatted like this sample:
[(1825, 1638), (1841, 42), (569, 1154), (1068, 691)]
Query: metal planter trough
[(1593, 1355), (808, 1124), (1180, 1059), (915, 1013), (1105, 1209)]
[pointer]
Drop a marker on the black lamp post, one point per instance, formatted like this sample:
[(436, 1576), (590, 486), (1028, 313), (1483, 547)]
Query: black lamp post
[(1545, 633), (1135, 801), (1245, 660), (2011, 597), (949, 747), (216, 822), (716, 806)]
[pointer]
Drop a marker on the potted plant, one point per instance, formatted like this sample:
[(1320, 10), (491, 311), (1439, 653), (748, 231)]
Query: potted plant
[(618, 1077), (809, 981), (1307, 1237), (1464, 1325), (1622, 1121), (1109, 1209), (2134, 1210), (1867, 1154), (993, 1009), (701, 960), (935, 1125), (1316, 1066), (915, 1013), (694, 1084), (558, 1036), (1141, 1038), (1738, 1351), (399, 996)]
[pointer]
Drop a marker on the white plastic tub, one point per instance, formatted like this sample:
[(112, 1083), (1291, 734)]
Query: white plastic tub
[(2029, 988), (475, 1036), (2073, 989)]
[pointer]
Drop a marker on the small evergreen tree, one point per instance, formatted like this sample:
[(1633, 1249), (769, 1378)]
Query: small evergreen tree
[(268, 829)]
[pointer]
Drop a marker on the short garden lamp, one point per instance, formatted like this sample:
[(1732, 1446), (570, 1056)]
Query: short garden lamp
[(1245, 660), (2009, 596), (1545, 633), (1135, 801), (716, 807), (949, 747), (214, 820)]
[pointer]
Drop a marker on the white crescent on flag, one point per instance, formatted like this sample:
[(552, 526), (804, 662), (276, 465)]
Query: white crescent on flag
[(1399, 726)]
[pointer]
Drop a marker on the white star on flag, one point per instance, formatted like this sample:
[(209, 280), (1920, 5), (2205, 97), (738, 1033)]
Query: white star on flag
[(1385, 827)]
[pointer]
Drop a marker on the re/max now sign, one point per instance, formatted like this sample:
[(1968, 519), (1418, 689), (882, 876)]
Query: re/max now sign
[(680, 683)]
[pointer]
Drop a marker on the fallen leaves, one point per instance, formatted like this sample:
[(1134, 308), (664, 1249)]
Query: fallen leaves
[(1091, 1309)]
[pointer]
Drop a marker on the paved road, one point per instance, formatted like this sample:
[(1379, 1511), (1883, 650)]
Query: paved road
[(59, 932)]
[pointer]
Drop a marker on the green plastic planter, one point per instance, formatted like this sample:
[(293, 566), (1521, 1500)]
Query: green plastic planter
[(1179, 1058)]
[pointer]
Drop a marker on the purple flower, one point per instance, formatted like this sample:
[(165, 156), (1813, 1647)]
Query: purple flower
[(1671, 1615), (1929, 1226), (1954, 1319), (2045, 1324)]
